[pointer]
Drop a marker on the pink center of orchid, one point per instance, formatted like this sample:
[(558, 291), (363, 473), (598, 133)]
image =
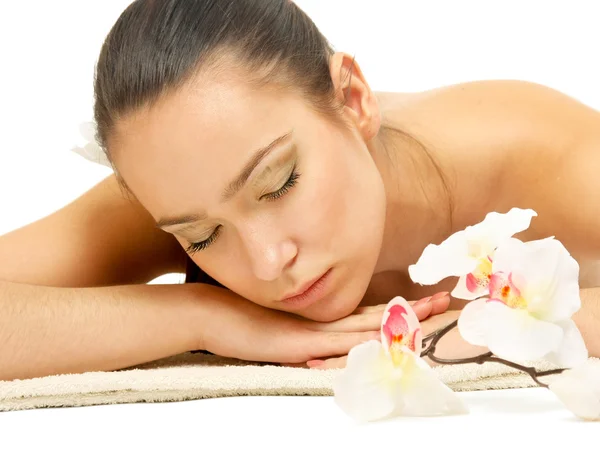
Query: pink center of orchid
[(503, 289), (480, 278), (397, 334)]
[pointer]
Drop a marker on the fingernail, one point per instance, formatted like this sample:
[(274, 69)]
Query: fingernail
[(315, 363), (439, 296), (424, 300)]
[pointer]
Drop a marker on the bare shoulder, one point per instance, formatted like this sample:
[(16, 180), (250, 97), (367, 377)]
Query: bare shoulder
[(102, 238), (531, 146), (485, 113), (511, 124)]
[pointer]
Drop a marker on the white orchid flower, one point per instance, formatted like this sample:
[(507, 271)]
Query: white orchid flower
[(533, 293), (468, 254), (91, 150), (389, 378), (579, 389)]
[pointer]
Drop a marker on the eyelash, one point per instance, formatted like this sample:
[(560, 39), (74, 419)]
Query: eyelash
[(290, 183)]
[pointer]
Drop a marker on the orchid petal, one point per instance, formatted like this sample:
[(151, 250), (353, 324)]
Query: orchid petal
[(565, 299), (572, 350), (515, 335), (546, 275), (363, 390), (459, 254), (424, 394), (579, 389), (504, 289), (497, 227), (91, 150), (373, 387), (88, 131), (510, 255), (471, 322), (401, 324), (462, 291), (450, 258)]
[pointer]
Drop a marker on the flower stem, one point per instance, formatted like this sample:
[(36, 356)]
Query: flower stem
[(480, 359)]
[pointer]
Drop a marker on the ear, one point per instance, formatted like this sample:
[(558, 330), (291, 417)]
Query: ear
[(352, 89)]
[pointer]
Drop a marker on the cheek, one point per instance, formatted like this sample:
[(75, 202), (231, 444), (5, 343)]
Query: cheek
[(216, 264), (313, 213), (342, 204), (225, 265)]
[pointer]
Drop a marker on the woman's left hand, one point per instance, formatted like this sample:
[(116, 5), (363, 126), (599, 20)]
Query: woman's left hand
[(432, 309)]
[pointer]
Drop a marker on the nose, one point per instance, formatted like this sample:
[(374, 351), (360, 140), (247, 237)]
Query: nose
[(269, 252)]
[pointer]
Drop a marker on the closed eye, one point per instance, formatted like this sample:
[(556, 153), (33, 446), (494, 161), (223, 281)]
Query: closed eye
[(289, 184)]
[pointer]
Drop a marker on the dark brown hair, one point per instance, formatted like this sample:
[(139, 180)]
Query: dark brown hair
[(157, 46)]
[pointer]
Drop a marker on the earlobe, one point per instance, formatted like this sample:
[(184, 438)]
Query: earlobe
[(352, 90)]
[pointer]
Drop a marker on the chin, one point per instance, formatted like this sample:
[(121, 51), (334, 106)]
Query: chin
[(340, 304)]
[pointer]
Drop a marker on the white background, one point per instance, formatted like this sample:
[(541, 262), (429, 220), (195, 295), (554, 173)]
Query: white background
[(48, 51), (521, 431)]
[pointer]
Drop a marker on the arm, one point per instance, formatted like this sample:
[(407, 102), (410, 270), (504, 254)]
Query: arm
[(46, 330), (102, 238)]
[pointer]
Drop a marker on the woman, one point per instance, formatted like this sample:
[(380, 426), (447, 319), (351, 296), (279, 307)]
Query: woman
[(243, 145)]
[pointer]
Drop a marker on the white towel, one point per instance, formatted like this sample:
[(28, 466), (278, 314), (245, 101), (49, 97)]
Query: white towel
[(193, 376)]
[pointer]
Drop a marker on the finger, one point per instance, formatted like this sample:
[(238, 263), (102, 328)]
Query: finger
[(332, 344), (296, 365), (369, 309), (354, 323), (365, 318), (435, 304), (423, 309), (368, 318), (440, 303), (332, 363), (381, 307)]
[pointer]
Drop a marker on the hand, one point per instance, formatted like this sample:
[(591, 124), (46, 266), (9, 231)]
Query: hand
[(433, 316), (368, 318), (232, 326), (240, 329)]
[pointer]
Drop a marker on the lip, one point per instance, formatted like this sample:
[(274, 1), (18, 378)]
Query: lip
[(309, 293)]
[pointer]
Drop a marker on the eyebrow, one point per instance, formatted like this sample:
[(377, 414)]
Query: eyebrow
[(232, 188)]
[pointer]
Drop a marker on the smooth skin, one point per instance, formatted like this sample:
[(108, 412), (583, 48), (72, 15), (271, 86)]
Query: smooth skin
[(366, 202)]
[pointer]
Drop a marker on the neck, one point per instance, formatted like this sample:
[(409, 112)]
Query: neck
[(419, 209)]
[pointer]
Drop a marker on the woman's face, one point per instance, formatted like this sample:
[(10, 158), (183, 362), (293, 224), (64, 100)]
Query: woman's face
[(265, 194)]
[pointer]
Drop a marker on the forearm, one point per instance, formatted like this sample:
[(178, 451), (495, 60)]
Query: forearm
[(45, 330), (587, 320)]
